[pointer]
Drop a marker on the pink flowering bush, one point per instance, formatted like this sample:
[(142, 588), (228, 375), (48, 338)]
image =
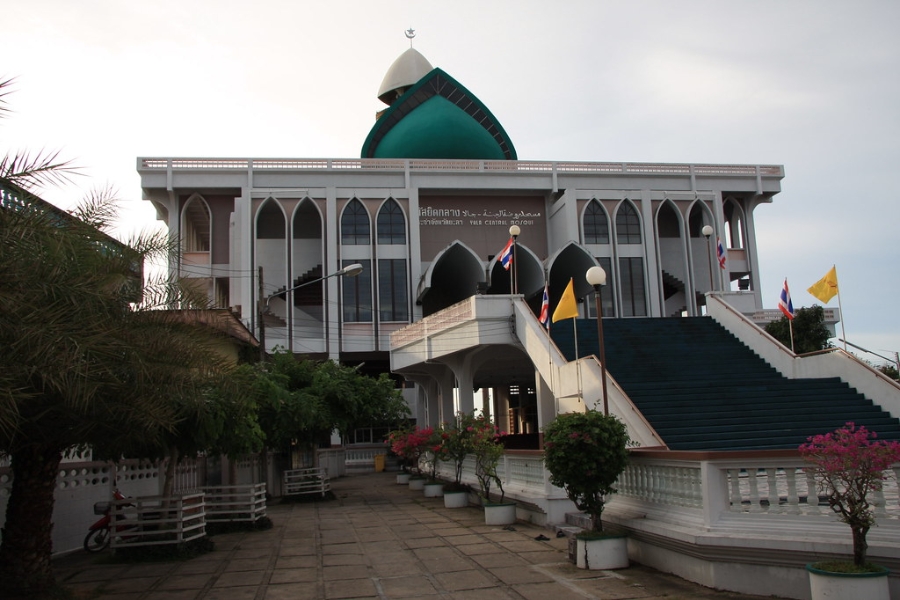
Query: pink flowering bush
[(585, 454), (435, 449), (458, 443), (848, 464), (410, 445)]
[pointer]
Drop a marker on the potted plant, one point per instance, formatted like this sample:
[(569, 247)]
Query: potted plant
[(398, 443), (585, 454), (416, 445), (848, 464), (457, 446), (488, 449), (433, 453)]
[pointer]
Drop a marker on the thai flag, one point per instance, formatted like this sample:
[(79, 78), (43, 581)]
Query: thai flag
[(506, 256), (545, 307), (720, 252), (784, 302)]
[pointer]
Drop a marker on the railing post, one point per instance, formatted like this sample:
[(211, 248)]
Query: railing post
[(714, 484)]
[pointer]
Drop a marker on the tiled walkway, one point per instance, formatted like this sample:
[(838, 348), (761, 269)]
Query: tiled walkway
[(377, 540)]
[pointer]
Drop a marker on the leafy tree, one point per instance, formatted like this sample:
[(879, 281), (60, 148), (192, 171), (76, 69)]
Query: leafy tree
[(810, 332), (890, 371), (302, 401)]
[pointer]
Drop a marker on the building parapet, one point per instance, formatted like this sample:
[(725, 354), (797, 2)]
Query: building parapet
[(357, 164)]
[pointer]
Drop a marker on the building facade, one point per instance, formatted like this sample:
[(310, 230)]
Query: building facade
[(426, 211)]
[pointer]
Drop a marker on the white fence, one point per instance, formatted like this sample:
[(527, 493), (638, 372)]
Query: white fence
[(754, 485), (81, 484), (305, 481), (158, 520), (361, 459), (230, 503)]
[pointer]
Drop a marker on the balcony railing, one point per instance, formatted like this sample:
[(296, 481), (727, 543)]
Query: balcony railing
[(548, 167)]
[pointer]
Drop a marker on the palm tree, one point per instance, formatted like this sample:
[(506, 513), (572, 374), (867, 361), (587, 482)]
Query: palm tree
[(84, 358)]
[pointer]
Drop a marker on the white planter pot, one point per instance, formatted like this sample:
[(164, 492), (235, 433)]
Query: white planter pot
[(500, 514), (825, 585), (417, 484), (403, 478), (609, 552), (456, 499), (434, 490)]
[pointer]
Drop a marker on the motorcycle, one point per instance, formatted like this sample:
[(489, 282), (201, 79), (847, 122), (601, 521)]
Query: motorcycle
[(99, 533)]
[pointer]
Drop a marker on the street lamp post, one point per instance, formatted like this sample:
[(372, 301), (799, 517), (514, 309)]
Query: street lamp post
[(707, 231), (596, 276), (348, 271), (514, 231)]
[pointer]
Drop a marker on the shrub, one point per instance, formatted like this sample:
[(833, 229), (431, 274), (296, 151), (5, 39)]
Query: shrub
[(848, 465), (585, 454)]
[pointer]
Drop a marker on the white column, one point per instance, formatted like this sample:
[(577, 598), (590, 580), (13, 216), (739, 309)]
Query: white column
[(331, 314)]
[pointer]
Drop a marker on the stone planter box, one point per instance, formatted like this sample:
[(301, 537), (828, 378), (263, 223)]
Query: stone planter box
[(500, 514), (825, 585)]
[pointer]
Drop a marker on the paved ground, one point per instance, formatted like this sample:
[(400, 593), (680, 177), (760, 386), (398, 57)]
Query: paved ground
[(377, 540)]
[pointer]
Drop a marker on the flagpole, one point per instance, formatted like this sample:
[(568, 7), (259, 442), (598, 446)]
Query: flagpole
[(550, 363), (791, 328), (577, 364), (841, 308)]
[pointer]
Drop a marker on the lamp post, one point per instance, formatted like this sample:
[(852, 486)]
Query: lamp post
[(596, 276), (707, 231), (349, 271), (514, 231)]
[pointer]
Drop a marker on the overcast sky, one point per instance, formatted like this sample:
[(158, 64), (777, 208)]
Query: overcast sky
[(811, 85)]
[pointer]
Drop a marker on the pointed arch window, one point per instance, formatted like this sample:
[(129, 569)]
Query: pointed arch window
[(596, 224), (393, 301), (391, 223), (734, 224), (355, 224), (195, 229), (628, 225)]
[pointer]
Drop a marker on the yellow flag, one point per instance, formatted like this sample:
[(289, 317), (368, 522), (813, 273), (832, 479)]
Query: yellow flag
[(567, 307), (825, 288)]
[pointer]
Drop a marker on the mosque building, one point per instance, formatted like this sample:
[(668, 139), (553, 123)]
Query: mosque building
[(429, 257), (427, 209)]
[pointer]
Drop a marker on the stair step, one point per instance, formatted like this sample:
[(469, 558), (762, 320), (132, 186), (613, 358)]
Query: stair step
[(702, 389)]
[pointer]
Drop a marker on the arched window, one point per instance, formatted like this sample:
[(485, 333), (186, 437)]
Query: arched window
[(596, 224), (391, 223), (628, 225), (195, 229), (355, 224), (734, 224)]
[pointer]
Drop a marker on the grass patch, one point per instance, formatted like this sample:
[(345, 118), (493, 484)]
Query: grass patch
[(845, 566), (587, 534)]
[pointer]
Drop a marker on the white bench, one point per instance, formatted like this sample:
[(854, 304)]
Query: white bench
[(228, 503), (305, 481)]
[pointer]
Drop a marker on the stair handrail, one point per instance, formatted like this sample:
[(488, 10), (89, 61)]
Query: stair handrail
[(871, 383), (535, 339)]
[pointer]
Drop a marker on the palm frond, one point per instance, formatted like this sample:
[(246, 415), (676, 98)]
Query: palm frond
[(4, 91), (35, 170)]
